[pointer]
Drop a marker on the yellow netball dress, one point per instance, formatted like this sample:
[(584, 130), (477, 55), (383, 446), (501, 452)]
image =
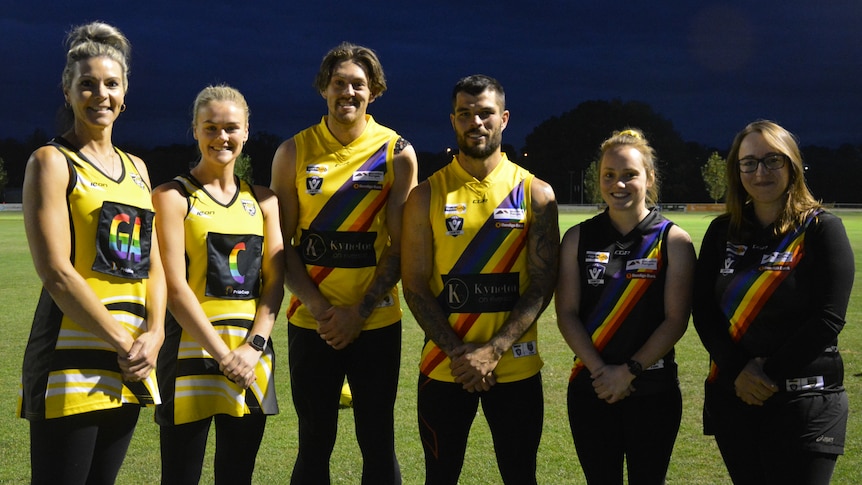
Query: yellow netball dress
[(68, 370), (224, 251)]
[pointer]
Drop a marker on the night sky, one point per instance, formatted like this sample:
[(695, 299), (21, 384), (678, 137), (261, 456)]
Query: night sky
[(708, 67)]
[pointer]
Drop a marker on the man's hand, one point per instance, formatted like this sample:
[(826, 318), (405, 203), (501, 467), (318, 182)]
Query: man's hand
[(473, 367), (340, 326)]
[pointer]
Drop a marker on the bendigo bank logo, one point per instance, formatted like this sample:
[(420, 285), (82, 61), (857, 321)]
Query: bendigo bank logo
[(125, 238)]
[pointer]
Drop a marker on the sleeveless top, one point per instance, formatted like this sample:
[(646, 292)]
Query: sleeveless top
[(67, 369), (224, 246), (622, 296), (480, 262), (342, 231)]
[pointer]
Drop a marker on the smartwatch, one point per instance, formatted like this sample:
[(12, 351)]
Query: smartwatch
[(635, 367), (258, 343)]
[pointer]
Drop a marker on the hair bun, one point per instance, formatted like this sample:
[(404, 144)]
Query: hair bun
[(99, 33)]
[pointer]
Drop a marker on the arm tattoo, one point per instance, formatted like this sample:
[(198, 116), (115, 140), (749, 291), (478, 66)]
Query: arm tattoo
[(431, 318), (542, 263), (386, 275)]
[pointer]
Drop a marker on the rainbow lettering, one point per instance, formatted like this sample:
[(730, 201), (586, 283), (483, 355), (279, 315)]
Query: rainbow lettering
[(127, 246), (234, 263)]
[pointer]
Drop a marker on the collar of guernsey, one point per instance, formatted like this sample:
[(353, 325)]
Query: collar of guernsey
[(330, 199)]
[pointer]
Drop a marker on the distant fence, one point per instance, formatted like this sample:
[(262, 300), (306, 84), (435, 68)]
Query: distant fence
[(10, 207)]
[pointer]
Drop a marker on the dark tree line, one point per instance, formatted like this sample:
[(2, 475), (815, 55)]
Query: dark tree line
[(558, 151)]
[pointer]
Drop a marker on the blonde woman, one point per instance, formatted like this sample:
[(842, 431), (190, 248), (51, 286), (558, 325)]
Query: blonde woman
[(98, 327), (623, 301), (223, 254)]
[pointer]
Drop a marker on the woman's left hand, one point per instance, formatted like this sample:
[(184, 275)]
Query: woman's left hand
[(239, 364), (752, 385), (613, 383), (141, 359)]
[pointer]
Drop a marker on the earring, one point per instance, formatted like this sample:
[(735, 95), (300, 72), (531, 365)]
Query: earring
[(123, 108)]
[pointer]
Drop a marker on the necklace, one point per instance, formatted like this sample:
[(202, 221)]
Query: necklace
[(102, 167)]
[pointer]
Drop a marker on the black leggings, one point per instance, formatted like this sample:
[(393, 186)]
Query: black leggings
[(371, 364), (86, 448), (641, 429), (514, 411), (183, 447)]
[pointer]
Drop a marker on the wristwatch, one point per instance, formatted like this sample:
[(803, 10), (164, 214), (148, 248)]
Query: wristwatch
[(258, 343), (635, 367)]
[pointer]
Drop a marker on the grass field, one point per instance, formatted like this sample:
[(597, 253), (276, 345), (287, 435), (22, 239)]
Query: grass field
[(695, 460)]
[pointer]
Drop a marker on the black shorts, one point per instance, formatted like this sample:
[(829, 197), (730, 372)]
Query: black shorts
[(815, 422)]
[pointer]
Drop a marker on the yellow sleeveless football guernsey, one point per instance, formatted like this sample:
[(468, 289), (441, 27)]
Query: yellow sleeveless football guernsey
[(341, 230), (224, 250), (480, 262), (68, 370)]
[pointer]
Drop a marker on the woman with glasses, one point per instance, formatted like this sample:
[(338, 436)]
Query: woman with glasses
[(772, 285)]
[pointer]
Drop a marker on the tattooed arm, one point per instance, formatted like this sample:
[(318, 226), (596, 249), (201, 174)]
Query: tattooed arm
[(388, 270), (416, 268), (543, 247)]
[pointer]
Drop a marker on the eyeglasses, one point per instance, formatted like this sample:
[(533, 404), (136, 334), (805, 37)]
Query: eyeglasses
[(773, 161)]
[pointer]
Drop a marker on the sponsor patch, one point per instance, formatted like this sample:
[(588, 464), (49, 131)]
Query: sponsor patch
[(597, 257)]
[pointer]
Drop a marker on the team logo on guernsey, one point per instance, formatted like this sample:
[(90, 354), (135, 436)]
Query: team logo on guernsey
[(479, 293), (249, 206), (596, 274), (597, 257), (138, 180), (454, 226), (732, 253), (313, 185)]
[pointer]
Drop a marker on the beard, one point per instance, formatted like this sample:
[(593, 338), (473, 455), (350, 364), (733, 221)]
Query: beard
[(494, 139)]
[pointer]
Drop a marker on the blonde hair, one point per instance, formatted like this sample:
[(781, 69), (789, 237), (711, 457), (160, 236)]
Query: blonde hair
[(635, 138), (221, 92), (798, 200), (93, 40)]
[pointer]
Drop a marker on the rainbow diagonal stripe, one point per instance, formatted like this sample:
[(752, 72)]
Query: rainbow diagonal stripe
[(621, 297), (749, 290), (233, 262), (475, 258)]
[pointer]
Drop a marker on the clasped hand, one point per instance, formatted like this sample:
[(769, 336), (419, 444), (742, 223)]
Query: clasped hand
[(473, 367), (340, 326), (140, 361), (238, 365), (752, 385), (612, 383)]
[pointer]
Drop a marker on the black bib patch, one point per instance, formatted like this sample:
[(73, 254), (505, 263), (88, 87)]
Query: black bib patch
[(123, 241), (233, 266)]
